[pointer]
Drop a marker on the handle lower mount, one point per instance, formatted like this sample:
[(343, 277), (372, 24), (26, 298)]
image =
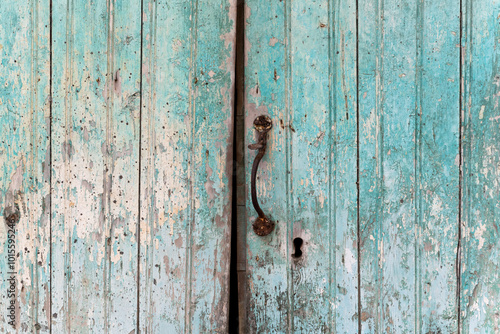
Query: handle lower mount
[(262, 124)]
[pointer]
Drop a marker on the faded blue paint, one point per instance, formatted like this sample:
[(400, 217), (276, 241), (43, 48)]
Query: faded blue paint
[(117, 231), (409, 166), (410, 171), (24, 163), (95, 157), (141, 193), (188, 75), (480, 251), (301, 71)]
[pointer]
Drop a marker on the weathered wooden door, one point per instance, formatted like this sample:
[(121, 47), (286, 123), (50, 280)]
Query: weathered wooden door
[(115, 151), (381, 171), (382, 167)]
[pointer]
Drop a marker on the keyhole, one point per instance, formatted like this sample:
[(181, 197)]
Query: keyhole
[(297, 243)]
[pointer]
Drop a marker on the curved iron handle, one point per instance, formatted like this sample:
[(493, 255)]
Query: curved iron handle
[(262, 124)]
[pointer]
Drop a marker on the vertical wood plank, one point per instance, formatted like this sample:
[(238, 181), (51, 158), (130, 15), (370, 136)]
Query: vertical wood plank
[(409, 68), (164, 161), (268, 258), (480, 248), (323, 165), (95, 146), (24, 163), (212, 107), (344, 263), (437, 165), (309, 157), (186, 165), (387, 145), (302, 72), (370, 71)]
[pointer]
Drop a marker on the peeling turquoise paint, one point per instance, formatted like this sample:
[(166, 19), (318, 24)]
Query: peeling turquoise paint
[(122, 177), (480, 251), (116, 161), (301, 71), (24, 147), (95, 140), (409, 166), (418, 163), (188, 75)]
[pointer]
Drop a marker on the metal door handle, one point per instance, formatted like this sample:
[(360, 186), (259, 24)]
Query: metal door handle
[(262, 124)]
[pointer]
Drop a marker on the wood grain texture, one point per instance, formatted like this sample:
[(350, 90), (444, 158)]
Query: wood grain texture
[(186, 165), (268, 258), (24, 165), (95, 157), (96, 133), (122, 179), (296, 54), (409, 117), (387, 167), (437, 165), (480, 246)]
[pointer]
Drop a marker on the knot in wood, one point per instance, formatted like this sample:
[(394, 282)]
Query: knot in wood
[(13, 218)]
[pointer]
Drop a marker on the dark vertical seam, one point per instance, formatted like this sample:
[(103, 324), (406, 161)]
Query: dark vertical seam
[(458, 262), (239, 160), (468, 53), (108, 165), (379, 99), (358, 200), (418, 163), (288, 150), (233, 273), (50, 171), (233, 322), (331, 190), (106, 191), (138, 229), (465, 148), (151, 140), (32, 154), (192, 111), (68, 68)]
